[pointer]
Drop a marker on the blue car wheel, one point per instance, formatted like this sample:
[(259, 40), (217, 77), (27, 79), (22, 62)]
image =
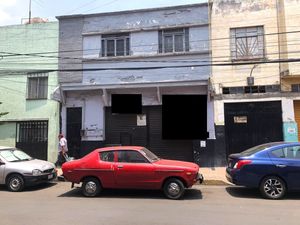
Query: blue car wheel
[(272, 187)]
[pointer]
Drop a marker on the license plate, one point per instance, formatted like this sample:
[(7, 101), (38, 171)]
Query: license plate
[(50, 176)]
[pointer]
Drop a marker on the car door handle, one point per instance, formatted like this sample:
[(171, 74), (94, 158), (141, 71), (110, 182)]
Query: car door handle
[(120, 166), (281, 165)]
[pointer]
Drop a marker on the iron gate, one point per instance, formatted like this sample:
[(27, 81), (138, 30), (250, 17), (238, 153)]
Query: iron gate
[(32, 138)]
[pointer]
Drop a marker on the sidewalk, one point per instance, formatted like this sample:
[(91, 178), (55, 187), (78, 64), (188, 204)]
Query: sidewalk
[(212, 175)]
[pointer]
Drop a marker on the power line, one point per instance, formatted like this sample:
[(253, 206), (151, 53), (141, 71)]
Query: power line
[(159, 67)]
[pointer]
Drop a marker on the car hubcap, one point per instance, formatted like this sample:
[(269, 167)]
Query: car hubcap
[(91, 187), (15, 183), (273, 187), (173, 188)]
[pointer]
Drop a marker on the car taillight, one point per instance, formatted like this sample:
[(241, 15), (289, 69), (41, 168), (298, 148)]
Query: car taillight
[(241, 163)]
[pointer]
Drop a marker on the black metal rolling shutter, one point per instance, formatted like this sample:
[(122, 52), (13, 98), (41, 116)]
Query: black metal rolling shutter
[(122, 129), (171, 149)]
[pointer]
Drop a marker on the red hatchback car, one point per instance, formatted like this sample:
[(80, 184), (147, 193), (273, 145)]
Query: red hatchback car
[(130, 167)]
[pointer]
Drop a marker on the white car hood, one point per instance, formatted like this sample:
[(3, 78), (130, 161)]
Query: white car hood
[(31, 165)]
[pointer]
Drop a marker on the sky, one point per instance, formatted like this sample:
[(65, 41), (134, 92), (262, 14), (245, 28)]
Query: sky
[(15, 11)]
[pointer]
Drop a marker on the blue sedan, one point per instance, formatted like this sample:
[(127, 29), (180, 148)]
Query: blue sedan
[(274, 168)]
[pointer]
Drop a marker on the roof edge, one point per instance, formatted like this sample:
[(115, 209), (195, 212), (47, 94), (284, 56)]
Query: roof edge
[(131, 11)]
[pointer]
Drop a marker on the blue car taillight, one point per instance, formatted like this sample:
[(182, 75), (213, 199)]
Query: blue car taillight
[(239, 164)]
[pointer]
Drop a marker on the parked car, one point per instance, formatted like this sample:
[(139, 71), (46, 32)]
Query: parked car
[(274, 168), (17, 169), (130, 167)]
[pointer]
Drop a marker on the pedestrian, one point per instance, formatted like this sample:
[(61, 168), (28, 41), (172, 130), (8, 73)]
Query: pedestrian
[(62, 150)]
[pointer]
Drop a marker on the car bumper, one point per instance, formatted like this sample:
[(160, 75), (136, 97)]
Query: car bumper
[(242, 178), (32, 180)]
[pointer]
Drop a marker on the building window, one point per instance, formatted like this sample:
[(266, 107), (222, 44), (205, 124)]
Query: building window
[(247, 43), (115, 45), (37, 86), (173, 40), (250, 89), (295, 87)]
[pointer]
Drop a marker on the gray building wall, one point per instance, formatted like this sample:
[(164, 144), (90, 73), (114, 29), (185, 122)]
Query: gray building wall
[(80, 37)]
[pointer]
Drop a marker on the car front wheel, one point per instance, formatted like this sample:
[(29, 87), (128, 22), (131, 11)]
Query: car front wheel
[(273, 187), (91, 187), (15, 183), (174, 188)]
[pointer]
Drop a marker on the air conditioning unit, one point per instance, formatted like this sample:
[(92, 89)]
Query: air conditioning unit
[(250, 81)]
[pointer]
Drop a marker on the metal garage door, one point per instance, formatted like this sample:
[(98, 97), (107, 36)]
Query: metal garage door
[(252, 123), (123, 129)]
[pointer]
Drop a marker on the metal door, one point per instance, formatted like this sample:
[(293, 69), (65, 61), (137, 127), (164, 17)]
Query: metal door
[(252, 123), (32, 138), (74, 124)]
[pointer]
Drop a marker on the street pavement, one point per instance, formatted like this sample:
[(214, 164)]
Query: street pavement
[(58, 204)]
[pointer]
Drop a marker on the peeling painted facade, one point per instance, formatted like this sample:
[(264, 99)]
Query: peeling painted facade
[(231, 86), (88, 79)]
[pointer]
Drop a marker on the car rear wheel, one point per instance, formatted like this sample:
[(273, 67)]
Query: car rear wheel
[(174, 188), (15, 183), (91, 187), (273, 187)]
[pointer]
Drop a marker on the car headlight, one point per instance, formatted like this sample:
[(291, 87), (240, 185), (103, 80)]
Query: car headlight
[(36, 172)]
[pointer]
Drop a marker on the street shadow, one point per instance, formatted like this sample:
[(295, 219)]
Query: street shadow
[(190, 194), (244, 192), (37, 187)]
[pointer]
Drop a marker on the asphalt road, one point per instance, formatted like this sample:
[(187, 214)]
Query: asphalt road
[(58, 204)]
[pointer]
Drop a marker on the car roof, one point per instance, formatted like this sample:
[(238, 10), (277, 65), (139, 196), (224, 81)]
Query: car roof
[(137, 148), (282, 143), (5, 147)]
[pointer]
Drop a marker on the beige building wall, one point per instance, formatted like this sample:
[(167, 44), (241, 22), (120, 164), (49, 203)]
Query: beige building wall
[(238, 14), (227, 14), (292, 26)]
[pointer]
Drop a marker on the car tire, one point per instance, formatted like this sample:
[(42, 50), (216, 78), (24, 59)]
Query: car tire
[(174, 188), (91, 187), (272, 187), (15, 183)]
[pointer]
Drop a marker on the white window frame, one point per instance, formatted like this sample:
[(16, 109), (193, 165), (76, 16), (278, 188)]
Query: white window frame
[(247, 43), (36, 91)]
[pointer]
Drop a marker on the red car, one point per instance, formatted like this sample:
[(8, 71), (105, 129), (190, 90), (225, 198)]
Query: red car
[(130, 167)]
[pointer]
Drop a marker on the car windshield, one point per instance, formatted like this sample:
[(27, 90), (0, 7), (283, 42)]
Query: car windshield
[(256, 149), (150, 155), (14, 155)]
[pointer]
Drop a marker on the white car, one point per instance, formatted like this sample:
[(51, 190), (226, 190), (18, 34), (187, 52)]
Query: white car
[(17, 169)]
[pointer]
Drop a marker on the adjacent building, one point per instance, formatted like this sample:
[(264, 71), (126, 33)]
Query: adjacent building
[(28, 77), (254, 72), (138, 77)]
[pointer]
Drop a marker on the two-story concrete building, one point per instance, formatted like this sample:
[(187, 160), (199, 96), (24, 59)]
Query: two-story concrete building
[(28, 53), (138, 77), (252, 45)]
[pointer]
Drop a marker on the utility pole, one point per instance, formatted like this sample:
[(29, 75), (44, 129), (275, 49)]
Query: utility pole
[(29, 11)]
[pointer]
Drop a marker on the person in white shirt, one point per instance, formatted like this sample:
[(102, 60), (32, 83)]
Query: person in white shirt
[(62, 150)]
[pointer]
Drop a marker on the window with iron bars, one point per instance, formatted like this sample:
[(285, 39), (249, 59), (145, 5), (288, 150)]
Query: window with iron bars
[(115, 45), (247, 43), (37, 86), (251, 89), (173, 40)]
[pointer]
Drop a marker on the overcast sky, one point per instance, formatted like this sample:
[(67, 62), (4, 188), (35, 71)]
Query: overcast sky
[(13, 11)]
